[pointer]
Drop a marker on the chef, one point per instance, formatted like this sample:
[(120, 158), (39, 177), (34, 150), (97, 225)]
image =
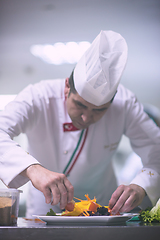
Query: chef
[(74, 127)]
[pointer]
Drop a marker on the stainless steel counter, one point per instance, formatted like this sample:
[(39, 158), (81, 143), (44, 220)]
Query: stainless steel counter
[(37, 230)]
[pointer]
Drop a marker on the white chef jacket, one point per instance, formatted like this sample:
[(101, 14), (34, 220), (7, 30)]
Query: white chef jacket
[(39, 111)]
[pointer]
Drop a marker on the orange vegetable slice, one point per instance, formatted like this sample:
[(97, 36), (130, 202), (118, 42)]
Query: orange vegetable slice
[(82, 207)]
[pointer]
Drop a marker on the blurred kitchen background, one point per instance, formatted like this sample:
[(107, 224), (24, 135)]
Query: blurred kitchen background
[(34, 32)]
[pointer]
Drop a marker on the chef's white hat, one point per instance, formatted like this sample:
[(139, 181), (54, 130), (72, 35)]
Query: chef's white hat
[(98, 72)]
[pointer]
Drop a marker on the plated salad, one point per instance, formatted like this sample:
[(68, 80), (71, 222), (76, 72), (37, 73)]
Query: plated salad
[(88, 207)]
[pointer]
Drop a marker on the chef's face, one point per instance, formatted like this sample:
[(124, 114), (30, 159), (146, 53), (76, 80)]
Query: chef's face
[(81, 112)]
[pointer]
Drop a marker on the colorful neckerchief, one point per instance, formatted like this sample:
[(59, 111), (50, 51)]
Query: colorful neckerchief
[(74, 157), (68, 127)]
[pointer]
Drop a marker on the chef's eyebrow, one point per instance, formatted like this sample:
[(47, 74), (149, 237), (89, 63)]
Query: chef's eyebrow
[(84, 106), (79, 103), (100, 109)]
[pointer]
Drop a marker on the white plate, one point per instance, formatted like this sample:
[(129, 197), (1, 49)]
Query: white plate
[(82, 220)]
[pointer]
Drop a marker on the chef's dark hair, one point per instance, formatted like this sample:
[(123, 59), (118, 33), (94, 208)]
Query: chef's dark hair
[(72, 87), (71, 83)]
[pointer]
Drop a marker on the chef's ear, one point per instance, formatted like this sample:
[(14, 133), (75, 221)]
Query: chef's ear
[(67, 87), (67, 83)]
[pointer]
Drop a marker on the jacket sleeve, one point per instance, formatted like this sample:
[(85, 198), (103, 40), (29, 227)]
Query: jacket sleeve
[(18, 117), (144, 137)]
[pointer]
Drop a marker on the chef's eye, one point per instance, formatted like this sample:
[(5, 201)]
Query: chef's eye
[(79, 104), (100, 110)]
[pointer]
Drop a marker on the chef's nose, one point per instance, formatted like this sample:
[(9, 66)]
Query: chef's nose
[(87, 117)]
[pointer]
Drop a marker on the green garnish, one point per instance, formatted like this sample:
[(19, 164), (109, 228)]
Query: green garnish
[(151, 214), (51, 213), (144, 215)]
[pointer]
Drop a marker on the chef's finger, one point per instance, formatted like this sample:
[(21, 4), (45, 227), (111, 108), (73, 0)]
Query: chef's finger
[(70, 190), (63, 195), (56, 195), (125, 200), (66, 191), (115, 196), (129, 204), (120, 204), (47, 194), (136, 195), (60, 191)]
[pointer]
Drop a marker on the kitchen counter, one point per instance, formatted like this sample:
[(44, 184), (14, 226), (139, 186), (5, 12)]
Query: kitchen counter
[(28, 229)]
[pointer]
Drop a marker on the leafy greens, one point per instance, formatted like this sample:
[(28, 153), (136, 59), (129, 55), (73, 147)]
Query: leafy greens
[(151, 214), (51, 213)]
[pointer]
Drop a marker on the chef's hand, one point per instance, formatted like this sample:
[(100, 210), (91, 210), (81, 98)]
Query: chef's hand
[(50, 183), (125, 198)]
